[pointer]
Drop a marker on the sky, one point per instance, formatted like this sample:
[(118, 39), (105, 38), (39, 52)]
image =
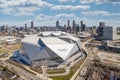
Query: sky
[(47, 12)]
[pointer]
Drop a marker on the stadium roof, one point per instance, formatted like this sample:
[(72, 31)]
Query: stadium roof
[(70, 37), (53, 40), (55, 33), (60, 47), (31, 39)]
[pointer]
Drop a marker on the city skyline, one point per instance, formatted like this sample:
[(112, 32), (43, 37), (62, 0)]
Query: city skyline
[(47, 12)]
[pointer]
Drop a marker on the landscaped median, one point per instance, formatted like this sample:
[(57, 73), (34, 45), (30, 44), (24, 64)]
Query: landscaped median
[(20, 66), (55, 71), (36, 69), (72, 71)]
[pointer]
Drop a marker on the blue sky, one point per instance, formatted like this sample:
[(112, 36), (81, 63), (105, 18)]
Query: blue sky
[(47, 12)]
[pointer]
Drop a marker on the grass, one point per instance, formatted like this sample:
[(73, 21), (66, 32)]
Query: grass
[(56, 71), (112, 61), (36, 69), (20, 66), (9, 48), (72, 71)]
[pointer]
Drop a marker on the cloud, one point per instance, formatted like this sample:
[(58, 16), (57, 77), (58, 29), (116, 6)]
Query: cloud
[(54, 17), (100, 1), (71, 15), (22, 7), (102, 13), (39, 3), (7, 10), (67, 0), (51, 20), (20, 11), (28, 11), (70, 7), (14, 3), (94, 22), (48, 20)]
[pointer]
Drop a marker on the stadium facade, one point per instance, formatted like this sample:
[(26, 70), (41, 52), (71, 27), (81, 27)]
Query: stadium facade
[(53, 49)]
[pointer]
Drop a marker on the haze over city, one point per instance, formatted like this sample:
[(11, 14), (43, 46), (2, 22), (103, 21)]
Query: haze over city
[(47, 12)]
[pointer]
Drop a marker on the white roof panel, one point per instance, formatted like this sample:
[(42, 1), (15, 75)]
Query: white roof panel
[(61, 50), (31, 39), (53, 40)]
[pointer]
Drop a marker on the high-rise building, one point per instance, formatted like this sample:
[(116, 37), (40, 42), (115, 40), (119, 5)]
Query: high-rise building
[(25, 25), (68, 26), (77, 28), (102, 24), (100, 29), (68, 23), (110, 33), (57, 24), (82, 26), (81, 22), (74, 25), (32, 25)]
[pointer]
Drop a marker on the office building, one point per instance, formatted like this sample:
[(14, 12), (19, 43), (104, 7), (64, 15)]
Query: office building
[(68, 24), (110, 33), (32, 24), (57, 24), (82, 26), (74, 26), (100, 29), (102, 23)]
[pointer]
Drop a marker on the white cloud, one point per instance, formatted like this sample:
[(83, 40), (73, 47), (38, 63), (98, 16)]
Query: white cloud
[(67, 0), (70, 7), (22, 7), (55, 17), (14, 3), (89, 1), (7, 10), (46, 20), (39, 3), (71, 15), (100, 1), (18, 11), (51, 19), (103, 13), (95, 13), (26, 10)]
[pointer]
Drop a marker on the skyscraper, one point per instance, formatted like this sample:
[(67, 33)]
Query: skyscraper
[(73, 25), (68, 24), (82, 26), (25, 25), (32, 25), (57, 24), (102, 24), (100, 29), (81, 22)]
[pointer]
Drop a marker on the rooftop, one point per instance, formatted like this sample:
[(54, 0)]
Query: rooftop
[(53, 40)]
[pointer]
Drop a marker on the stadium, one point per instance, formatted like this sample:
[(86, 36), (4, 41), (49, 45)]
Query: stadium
[(49, 50)]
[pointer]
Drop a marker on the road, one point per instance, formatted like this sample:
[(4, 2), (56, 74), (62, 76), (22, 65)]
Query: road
[(23, 73), (83, 69)]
